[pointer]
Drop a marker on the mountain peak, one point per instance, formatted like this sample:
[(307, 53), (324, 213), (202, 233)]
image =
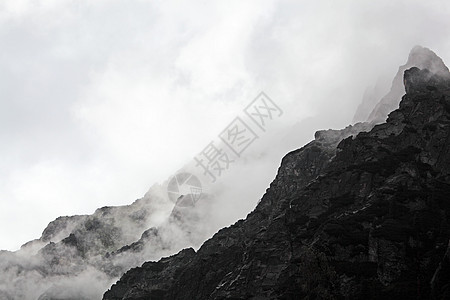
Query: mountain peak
[(420, 57), (424, 58), (366, 219)]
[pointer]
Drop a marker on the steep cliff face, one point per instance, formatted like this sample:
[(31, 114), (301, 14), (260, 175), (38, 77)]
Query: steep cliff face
[(366, 219), (345, 215)]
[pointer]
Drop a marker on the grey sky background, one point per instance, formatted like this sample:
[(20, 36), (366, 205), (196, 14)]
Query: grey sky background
[(101, 99)]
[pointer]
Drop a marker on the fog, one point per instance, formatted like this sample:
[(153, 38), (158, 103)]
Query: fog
[(103, 103), (101, 100)]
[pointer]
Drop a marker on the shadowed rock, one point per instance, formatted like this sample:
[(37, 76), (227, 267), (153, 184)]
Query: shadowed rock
[(366, 219)]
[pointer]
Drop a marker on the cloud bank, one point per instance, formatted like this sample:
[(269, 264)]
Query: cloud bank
[(100, 100)]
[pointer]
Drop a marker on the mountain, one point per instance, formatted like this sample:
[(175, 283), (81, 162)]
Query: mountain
[(371, 98), (79, 257), (348, 216), (420, 57), (321, 224), (73, 250)]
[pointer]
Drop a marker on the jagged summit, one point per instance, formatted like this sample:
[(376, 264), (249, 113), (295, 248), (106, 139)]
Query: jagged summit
[(356, 210), (420, 57), (424, 58), (366, 219)]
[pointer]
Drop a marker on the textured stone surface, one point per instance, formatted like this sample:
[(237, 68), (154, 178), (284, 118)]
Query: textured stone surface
[(366, 219), (332, 224)]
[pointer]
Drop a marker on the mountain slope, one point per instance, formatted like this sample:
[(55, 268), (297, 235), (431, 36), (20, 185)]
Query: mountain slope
[(369, 219), (74, 250), (94, 250)]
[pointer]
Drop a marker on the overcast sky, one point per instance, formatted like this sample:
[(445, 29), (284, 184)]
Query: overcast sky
[(101, 99)]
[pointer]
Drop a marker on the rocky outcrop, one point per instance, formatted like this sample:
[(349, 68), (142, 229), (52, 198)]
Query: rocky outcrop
[(73, 250), (345, 214), (366, 219), (420, 57)]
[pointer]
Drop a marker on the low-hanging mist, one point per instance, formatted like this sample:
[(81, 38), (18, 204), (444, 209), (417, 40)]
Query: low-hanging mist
[(101, 100), (73, 250)]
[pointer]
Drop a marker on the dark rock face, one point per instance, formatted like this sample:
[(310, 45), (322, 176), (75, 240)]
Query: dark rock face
[(366, 219)]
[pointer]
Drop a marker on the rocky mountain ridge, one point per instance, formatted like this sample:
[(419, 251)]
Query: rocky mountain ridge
[(366, 219), (420, 57), (95, 250)]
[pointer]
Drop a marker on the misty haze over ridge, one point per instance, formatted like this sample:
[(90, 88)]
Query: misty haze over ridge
[(277, 145), (348, 216), (66, 130), (183, 237)]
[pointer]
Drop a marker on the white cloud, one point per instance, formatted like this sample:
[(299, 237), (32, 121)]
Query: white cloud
[(101, 99)]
